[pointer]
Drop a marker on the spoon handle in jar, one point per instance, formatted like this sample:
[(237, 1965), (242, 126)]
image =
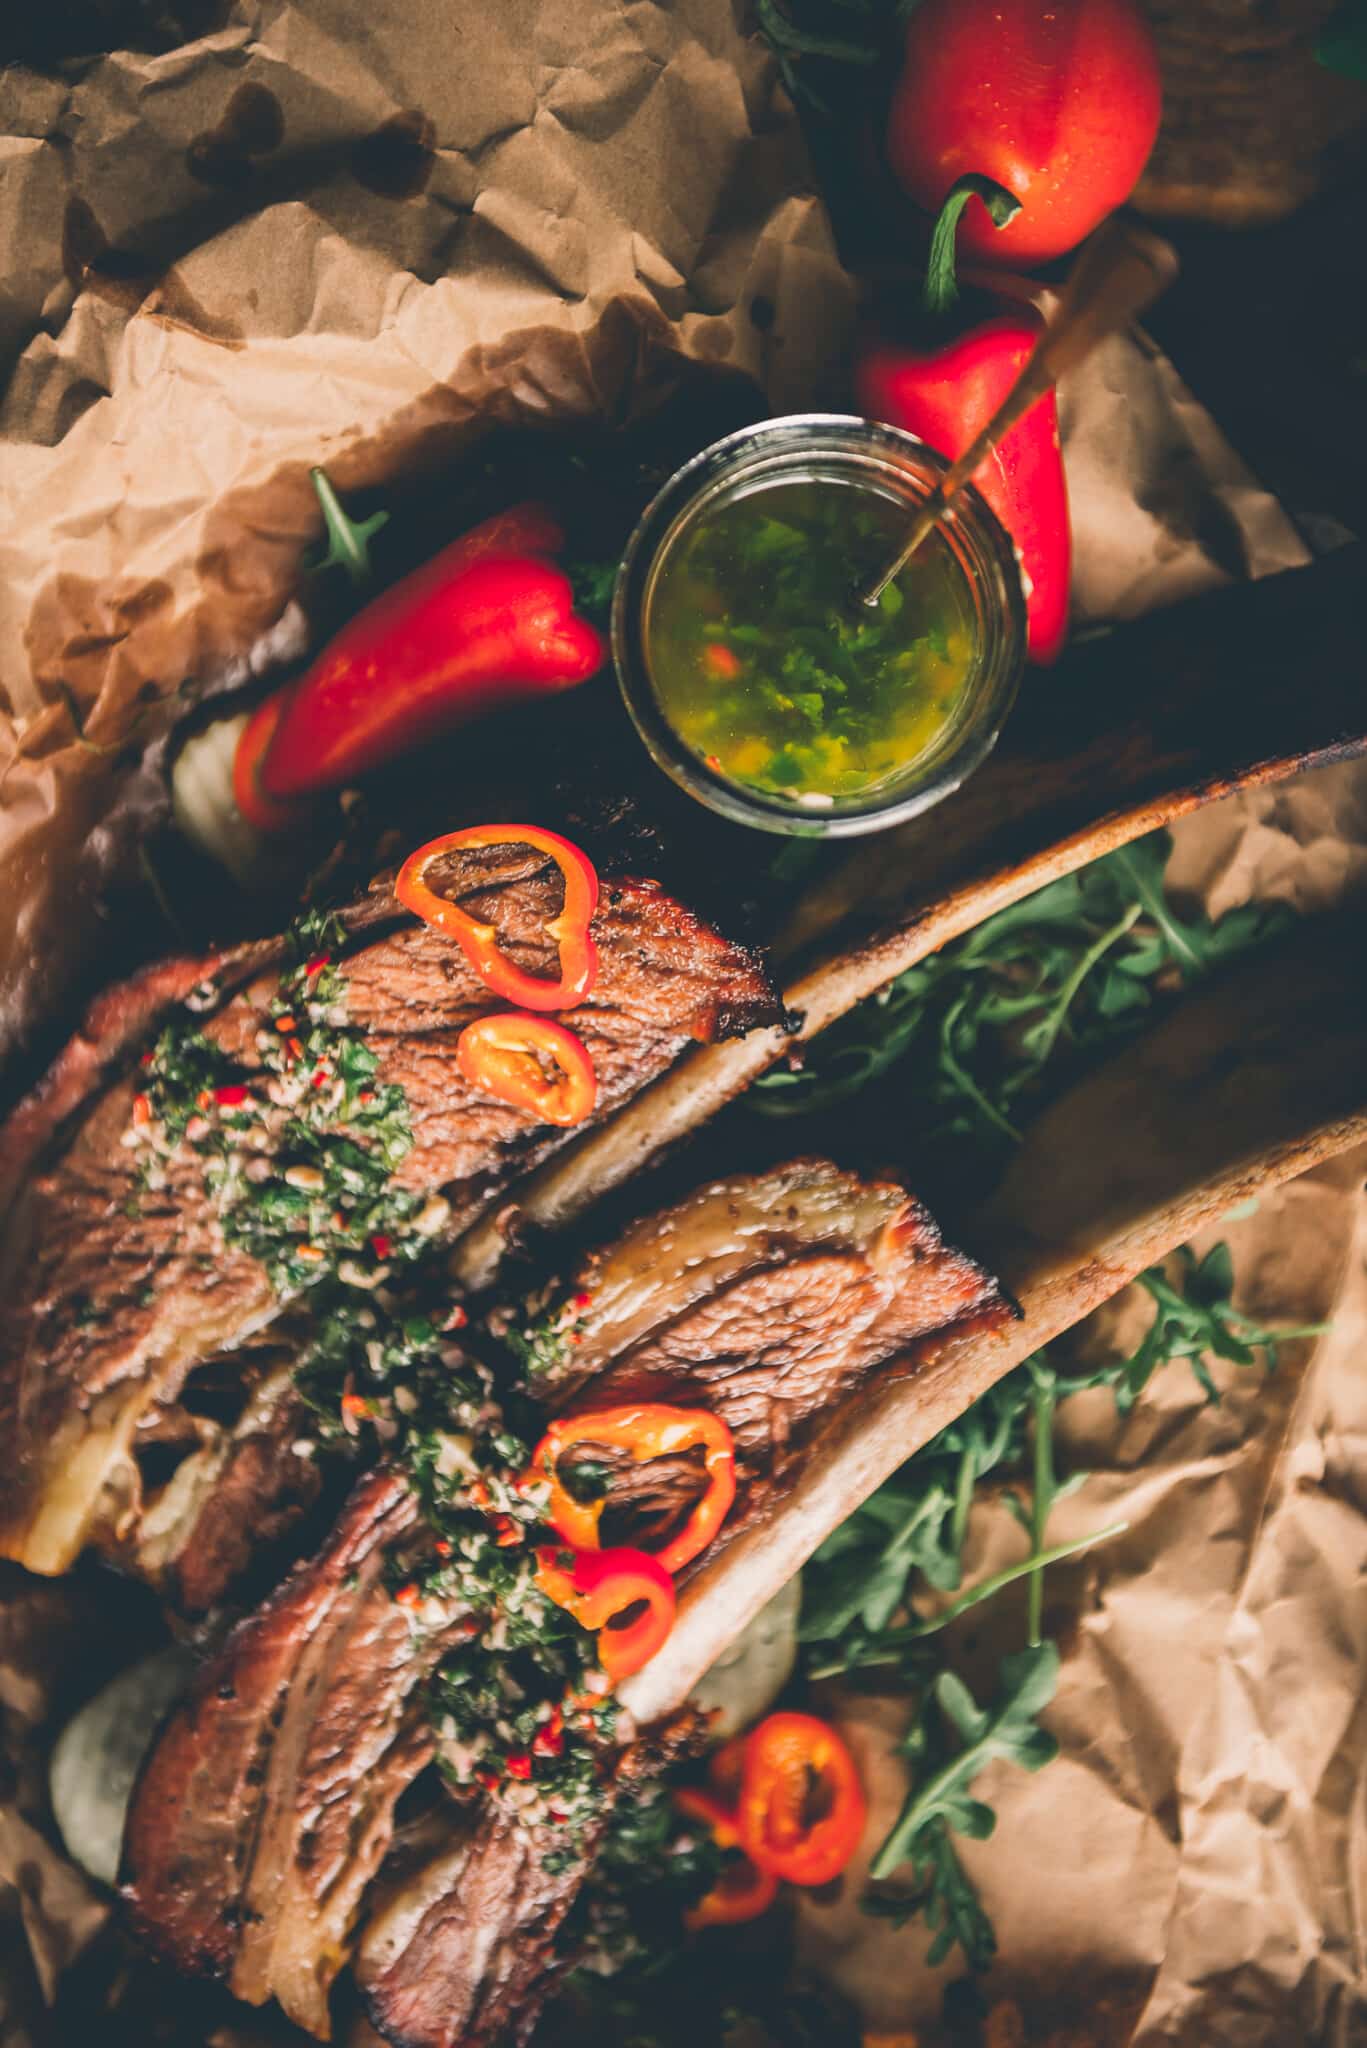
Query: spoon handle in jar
[(1120, 272)]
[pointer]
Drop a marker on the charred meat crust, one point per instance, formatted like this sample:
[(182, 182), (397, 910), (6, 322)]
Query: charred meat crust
[(267, 1803), (466, 1951), (122, 1297), (770, 1299)]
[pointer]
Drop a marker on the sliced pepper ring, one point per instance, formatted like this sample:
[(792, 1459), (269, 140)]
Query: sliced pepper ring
[(802, 1809), (596, 1585), (503, 1055), (648, 1430), (479, 942), (742, 1891)]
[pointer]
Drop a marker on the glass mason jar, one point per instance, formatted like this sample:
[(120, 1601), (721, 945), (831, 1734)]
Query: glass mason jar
[(842, 454)]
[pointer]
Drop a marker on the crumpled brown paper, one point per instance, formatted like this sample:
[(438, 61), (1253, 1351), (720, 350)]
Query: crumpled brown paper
[(361, 238), (358, 236), (1190, 1871)]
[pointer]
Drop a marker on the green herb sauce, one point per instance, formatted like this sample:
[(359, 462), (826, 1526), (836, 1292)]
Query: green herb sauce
[(298, 1146), (766, 667)]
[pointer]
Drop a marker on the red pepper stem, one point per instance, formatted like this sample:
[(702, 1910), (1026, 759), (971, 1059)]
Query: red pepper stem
[(348, 539), (942, 284)]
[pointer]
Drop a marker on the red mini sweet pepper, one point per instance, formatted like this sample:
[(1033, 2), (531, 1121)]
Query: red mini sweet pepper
[(597, 1586), (645, 1430), (945, 381), (488, 622)]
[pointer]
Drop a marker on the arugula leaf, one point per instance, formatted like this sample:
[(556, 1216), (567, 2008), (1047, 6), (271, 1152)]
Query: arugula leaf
[(940, 1802), (974, 1029), (859, 1592)]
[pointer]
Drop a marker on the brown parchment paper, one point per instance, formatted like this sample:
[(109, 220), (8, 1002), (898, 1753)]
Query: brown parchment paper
[(1193, 1868), (360, 235), (357, 235)]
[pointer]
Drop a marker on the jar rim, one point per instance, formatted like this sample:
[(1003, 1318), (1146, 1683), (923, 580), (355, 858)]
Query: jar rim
[(875, 451)]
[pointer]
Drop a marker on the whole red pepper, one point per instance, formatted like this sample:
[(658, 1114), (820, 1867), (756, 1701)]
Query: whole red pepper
[(1057, 100), (944, 384), (486, 623)]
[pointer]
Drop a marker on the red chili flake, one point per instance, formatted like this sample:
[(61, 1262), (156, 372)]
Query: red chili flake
[(146, 1059), (506, 1531), (286, 1024), (582, 1300), (203, 1099), (556, 1814), (548, 1741), (442, 1547), (320, 1076), (229, 1098), (722, 663), (142, 1109), (379, 1244), (355, 1404), (294, 1048), (519, 1765), (457, 1319), (575, 1337), (409, 1595), (317, 964), (488, 1779), (366, 1095), (713, 761), (479, 1494)]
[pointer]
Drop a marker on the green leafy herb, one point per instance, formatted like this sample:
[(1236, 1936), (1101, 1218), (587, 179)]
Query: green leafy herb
[(1342, 43), (860, 1592), (947, 1746), (973, 1029), (593, 583)]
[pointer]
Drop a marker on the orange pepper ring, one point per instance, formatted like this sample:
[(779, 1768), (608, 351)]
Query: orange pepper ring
[(781, 1756), (648, 1430), (602, 1583), (498, 1053), (569, 928), (743, 1891)]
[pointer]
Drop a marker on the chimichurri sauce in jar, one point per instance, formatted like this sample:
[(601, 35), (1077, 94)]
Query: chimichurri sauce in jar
[(772, 673)]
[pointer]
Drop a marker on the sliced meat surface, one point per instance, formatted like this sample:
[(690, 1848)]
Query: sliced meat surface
[(267, 1804), (117, 1291), (768, 1299), (463, 1952), (224, 1474)]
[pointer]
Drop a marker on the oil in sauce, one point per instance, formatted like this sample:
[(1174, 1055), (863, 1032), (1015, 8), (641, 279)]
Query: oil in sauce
[(768, 670)]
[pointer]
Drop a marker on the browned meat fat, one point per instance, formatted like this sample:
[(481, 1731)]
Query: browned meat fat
[(268, 1802), (768, 1298), (772, 1299), (116, 1293)]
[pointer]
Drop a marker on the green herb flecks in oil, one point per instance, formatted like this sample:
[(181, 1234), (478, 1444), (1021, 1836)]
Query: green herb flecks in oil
[(776, 679)]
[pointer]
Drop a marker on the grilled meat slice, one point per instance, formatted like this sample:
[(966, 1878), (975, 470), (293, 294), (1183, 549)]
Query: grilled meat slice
[(265, 1809), (768, 1298), (267, 1804), (116, 1291), (225, 1474), (464, 1952)]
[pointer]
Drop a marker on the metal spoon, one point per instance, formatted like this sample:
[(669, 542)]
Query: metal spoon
[(1122, 270)]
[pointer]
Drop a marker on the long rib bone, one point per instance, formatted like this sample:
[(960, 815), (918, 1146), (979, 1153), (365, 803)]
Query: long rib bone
[(1246, 687), (1240, 1089)]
